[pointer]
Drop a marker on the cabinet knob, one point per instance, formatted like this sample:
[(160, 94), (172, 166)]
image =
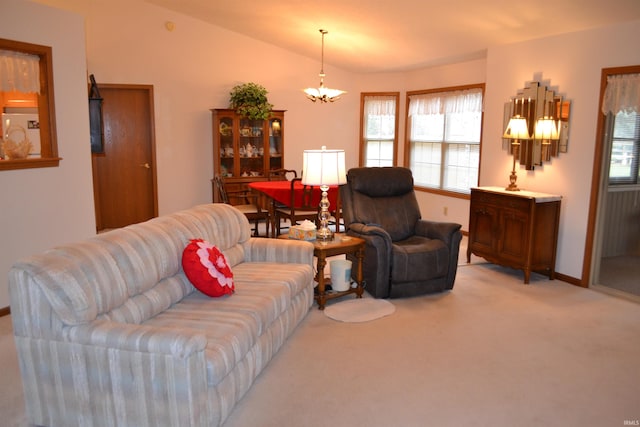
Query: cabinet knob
[(146, 165)]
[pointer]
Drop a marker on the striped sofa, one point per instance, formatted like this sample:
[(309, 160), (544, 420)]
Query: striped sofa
[(110, 332)]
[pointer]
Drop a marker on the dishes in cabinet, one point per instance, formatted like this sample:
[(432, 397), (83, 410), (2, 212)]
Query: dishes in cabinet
[(225, 129), (245, 131)]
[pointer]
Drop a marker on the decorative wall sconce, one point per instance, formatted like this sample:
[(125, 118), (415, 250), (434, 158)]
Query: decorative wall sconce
[(546, 119)]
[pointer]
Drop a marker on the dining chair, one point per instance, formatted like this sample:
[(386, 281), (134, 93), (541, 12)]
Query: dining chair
[(307, 209), (282, 174), (245, 202)]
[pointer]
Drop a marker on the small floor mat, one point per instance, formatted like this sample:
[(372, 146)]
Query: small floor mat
[(359, 310)]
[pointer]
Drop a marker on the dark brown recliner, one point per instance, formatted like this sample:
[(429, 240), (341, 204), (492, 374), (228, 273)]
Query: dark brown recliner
[(404, 254)]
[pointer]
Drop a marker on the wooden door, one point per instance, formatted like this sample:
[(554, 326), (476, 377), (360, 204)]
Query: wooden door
[(124, 176)]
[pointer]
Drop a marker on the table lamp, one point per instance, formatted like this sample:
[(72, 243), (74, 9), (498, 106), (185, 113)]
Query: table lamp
[(323, 168), (517, 130)]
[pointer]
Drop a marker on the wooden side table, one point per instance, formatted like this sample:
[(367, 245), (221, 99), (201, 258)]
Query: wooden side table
[(340, 245)]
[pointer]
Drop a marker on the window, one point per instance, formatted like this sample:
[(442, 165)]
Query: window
[(379, 139), (14, 94), (625, 149), (444, 133)]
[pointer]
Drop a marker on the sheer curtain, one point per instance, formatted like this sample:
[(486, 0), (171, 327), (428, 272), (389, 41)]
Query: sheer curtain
[(380, 105), (381, 110), (462, 101), (622, 94), (19, 72)]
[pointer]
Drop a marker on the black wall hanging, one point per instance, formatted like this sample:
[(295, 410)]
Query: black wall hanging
[(95, 118)]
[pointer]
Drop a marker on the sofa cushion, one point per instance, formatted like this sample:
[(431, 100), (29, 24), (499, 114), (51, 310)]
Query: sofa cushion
[(233, 325), (207, 268)]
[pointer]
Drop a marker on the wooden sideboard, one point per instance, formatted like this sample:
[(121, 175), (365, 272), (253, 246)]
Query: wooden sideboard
[(517, 229)]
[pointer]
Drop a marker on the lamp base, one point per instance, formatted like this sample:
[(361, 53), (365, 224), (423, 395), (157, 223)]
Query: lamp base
[(324, 234), (512, 182)]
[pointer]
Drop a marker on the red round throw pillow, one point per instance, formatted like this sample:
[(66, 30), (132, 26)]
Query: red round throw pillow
[(207, 268)]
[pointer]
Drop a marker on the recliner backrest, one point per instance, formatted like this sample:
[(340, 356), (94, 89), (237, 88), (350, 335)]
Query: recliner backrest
[(383, 196)]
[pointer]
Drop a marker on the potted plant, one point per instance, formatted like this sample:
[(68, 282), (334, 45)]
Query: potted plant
[(250, 100)]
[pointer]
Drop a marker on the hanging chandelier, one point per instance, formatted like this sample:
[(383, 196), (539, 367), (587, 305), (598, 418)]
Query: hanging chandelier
[(322, 93)]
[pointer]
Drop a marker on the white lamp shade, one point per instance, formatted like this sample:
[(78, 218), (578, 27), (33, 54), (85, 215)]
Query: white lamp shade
[(546, 128), (323, 167), (517, 128)]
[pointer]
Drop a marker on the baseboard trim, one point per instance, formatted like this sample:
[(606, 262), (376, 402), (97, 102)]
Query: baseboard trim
[(571, 280), (5, 311)]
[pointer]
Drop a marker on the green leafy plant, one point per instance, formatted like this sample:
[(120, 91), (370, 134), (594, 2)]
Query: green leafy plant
[(250, 100)]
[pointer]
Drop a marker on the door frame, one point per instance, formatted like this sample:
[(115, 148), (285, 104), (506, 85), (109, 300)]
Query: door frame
[(593, 238)]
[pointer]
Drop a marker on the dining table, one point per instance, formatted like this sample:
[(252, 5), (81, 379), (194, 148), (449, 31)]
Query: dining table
[(272, 193)]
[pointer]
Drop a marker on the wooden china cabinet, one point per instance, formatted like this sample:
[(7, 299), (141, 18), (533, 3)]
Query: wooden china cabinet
[(517, 229), (244, 150)]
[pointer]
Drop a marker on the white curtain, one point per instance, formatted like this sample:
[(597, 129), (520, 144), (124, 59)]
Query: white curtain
[(19, 71), (379, 105), (463, 101), (622, 94)]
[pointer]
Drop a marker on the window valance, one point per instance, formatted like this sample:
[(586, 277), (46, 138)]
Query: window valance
[(622, 94), (19, 72), (380, 105), (462, 101)]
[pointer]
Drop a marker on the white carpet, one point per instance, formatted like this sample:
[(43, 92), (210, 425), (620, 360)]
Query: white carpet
[(359, 310)]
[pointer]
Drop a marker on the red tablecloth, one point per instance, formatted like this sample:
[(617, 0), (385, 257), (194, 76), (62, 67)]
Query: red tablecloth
[(280, 191)]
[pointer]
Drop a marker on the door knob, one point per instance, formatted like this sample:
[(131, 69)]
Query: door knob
[(146, 165)]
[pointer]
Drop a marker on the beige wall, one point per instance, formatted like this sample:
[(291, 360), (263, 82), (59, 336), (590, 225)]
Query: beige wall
[(573, 64), (192, 70), (40, 208)]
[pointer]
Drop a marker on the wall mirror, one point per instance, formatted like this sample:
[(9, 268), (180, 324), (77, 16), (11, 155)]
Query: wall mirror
[(547, 124), (28, 138)]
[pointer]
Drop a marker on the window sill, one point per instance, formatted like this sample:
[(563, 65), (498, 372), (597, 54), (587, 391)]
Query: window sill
[(465, 196), (30, 163)]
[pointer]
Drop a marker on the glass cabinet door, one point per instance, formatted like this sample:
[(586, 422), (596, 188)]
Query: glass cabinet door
[(227, 149), (275, 143), (251, 147)]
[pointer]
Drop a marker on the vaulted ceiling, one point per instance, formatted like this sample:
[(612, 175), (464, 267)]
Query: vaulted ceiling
[(389, 35)]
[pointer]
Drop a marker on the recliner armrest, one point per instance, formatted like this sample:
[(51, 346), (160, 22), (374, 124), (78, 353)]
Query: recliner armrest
[(437, 230), (361, 230)]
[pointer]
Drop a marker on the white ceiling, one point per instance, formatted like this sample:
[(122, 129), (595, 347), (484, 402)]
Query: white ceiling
[(387, 35)]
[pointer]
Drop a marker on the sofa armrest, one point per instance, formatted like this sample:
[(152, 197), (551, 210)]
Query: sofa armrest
[(278, 250), (138, 338)]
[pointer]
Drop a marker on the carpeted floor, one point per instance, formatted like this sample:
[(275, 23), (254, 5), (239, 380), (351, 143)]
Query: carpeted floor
[(492, 352)]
